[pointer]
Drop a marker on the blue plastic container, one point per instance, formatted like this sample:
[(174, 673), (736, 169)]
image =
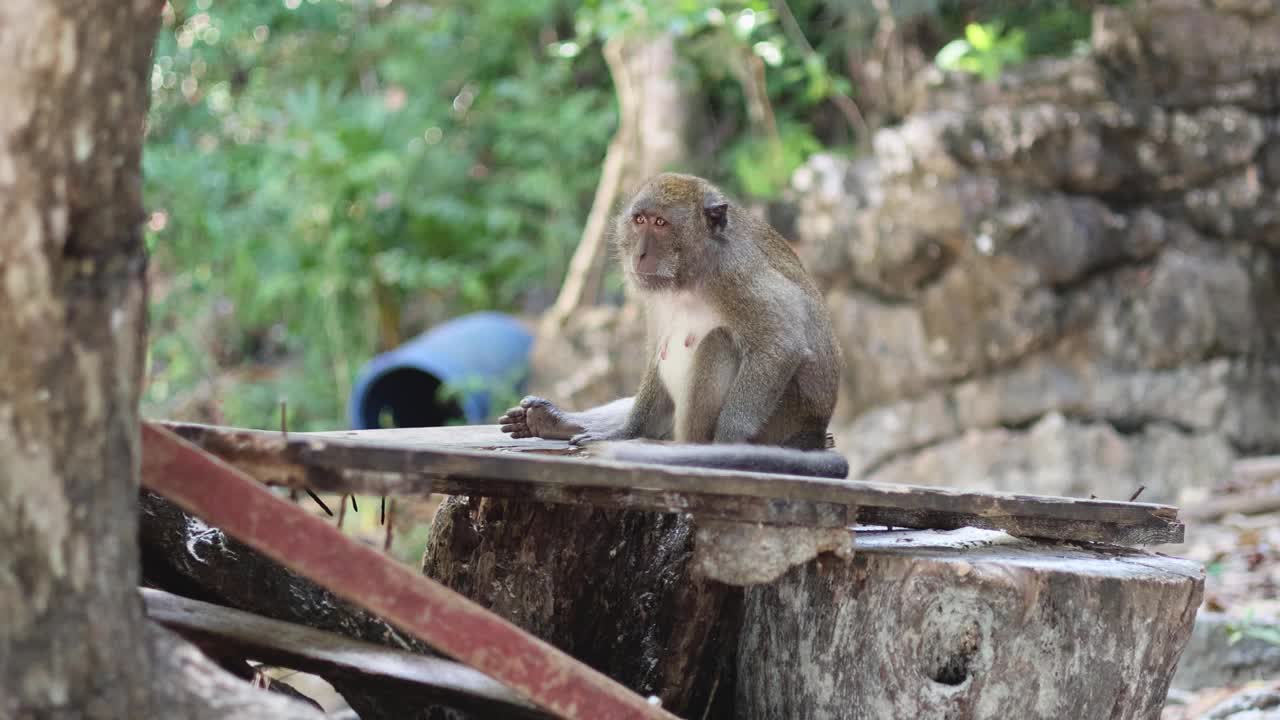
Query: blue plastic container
[(477, 353)]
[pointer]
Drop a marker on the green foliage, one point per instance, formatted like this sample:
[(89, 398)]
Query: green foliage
[(328, 177), (763, 166), (314, 166), (1011, 34), (984, 50), (1052, 27), (411, 544), (714, 36), (1249, 627)]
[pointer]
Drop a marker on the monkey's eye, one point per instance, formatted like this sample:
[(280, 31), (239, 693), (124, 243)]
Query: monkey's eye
[(659, 222), (638, 219)]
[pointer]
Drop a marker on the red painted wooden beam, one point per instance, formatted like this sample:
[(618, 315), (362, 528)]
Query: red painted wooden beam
[(228, 499)]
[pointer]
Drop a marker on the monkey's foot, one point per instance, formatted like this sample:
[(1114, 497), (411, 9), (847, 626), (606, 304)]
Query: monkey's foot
[(538, 417)]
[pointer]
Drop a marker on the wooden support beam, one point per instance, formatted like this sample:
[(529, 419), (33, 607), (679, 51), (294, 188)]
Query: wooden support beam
[(286, 644), (1257, 469), (233, 502), (407, 462)]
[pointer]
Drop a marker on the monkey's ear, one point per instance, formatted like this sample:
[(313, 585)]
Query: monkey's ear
[(716, 211)]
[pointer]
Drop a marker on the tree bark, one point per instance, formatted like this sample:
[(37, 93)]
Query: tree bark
[(967, 624), (72, 105), (656, 117), (962, 624), (653, 118), (73, 642), (616, 589)]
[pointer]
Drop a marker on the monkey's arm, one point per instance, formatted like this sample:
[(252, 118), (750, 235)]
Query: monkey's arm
[(650, 415), (607, 417), (763, 376), (539, 417)]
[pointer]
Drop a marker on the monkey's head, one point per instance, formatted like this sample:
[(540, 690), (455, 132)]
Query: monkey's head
[(670, 235)]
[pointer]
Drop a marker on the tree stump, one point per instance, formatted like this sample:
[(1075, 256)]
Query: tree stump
[(614, 588), (967, 624), (920, 624)]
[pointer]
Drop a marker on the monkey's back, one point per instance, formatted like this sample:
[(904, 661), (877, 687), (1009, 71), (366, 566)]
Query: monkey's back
[(790, 315)]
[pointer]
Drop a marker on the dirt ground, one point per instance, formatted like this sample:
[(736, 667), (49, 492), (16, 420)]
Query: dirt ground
[(1240, 550)]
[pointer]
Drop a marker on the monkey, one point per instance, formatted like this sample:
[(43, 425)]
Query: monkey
[(741, 348)]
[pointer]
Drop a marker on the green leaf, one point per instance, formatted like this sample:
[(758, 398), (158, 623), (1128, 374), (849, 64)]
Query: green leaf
[(979, 36), (949, 56)]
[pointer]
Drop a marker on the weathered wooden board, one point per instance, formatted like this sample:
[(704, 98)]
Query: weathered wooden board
[(231, 501), (182, 554), (480, 461), (473, 436), (1257, 469), (769, 511), (302, 648)]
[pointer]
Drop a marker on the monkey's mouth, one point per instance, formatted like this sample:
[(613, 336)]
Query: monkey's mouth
[(654, 281)]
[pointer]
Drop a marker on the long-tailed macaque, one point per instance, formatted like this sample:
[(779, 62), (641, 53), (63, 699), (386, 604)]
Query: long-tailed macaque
[(741, 348)]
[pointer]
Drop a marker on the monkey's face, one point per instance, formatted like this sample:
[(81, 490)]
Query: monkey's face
[(668, 238), (653, 247)]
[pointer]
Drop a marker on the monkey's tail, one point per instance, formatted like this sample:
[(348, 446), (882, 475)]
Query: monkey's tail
[(750, 458)]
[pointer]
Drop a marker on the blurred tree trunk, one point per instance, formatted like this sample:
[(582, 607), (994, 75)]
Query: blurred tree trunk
[(653, 117), (73, 100), (72, 104), (656, 117)]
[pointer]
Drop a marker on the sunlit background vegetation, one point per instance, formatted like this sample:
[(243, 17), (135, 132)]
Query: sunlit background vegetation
[(327, 178)]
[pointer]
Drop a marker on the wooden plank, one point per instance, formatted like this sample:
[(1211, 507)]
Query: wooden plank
[(323, 653), (1236, 504), (476, 437), (487, 437), (717, 507), (369, 464), (1257, 469), (1027, 525), (228, 499)]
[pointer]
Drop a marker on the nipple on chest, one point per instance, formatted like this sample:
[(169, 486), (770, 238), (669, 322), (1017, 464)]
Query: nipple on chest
[(689, 340)]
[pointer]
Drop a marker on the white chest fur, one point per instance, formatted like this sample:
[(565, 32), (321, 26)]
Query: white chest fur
[(679, 321)]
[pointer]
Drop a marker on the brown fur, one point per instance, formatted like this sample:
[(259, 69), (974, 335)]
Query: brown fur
[(767, 373), (777, 333)]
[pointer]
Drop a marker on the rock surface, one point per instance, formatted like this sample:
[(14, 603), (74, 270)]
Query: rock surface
[(1066, 281), (1213, 659)]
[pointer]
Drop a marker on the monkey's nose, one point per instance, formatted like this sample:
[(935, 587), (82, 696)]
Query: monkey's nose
[(644, 263)]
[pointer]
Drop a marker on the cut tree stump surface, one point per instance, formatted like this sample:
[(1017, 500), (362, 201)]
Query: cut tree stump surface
[(966, 624), (482, 461)]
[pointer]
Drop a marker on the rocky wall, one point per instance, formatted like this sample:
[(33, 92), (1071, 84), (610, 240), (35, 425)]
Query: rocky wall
[(1066, 282)]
